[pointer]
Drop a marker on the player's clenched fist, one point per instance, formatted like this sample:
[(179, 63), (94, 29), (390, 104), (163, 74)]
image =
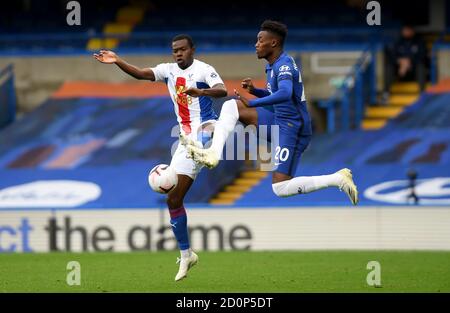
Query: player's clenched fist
[(248, 84), (106, 56)]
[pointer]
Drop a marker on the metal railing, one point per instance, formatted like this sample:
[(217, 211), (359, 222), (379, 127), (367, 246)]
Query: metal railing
[(345, 108), (7, 96)]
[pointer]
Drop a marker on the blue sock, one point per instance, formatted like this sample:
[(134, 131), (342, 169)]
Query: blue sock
[(178, 220)]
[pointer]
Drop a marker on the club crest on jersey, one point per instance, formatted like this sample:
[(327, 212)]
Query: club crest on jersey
[(180, 89)]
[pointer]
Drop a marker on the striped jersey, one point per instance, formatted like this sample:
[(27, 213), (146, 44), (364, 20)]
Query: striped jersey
[(190, 111)]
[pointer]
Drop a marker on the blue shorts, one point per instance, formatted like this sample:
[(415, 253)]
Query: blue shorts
[(291, 142)]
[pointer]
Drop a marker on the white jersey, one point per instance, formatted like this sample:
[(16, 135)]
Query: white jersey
[(190, 111)]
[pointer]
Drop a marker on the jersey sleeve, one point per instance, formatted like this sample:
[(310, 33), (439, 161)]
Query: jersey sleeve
[(283, 94), (211, 76), (161, 72), (285, 71)]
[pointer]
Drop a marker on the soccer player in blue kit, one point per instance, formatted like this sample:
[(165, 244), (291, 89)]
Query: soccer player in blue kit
[(283, 103)]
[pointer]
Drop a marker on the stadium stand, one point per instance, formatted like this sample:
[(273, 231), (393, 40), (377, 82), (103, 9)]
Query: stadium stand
[(82, 139), (341, 60), (107, 24)]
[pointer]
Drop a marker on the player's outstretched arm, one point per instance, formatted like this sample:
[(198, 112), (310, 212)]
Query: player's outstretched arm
[(216, 91), (109, 57), (247, 84), (283, 94)]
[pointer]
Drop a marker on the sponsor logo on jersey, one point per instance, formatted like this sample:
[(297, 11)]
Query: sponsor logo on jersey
[(181, 98), (284, 68), (284, 73)]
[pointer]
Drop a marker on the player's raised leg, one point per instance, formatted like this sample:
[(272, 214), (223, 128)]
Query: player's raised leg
[(178, 221), (285, 186), (232, 111)]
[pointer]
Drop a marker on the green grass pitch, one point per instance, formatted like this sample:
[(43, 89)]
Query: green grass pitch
[(300, 271)]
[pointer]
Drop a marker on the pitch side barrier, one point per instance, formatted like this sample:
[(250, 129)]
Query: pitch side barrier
[(227, 228)]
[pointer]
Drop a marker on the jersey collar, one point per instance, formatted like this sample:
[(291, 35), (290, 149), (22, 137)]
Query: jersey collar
[(187, 68), (269, 66)]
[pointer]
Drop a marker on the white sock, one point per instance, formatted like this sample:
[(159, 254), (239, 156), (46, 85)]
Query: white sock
[(228, 118), (185, 253), (306, 184)]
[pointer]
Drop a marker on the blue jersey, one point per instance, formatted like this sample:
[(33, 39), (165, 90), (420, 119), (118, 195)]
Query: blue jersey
[(291, 115)]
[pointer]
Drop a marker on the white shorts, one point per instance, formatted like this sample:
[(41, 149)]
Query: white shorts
[(180, 163)]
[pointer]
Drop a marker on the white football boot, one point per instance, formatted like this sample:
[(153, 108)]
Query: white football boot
[(185, 265), (187, 142), (207, 157), (348, 186)]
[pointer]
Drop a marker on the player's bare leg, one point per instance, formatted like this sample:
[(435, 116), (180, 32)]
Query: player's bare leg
[(284, 185), (232, 111), (178, 221), (247, 115)]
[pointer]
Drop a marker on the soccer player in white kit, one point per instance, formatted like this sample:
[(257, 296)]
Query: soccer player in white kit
[(191, 84)]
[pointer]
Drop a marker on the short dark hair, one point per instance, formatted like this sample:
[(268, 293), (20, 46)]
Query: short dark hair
[(184, 36), (276, 28)]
